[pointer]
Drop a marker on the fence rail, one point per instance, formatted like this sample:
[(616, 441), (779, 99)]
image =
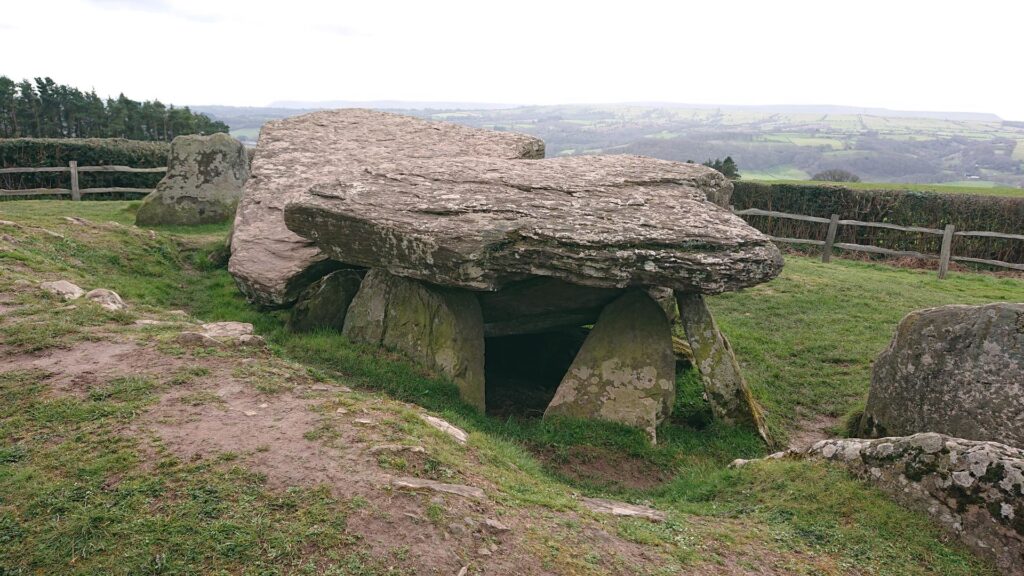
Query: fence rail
[(828, 244), (74, 191)]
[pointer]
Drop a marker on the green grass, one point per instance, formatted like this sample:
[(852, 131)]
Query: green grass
[(72, 487), (963, 187)]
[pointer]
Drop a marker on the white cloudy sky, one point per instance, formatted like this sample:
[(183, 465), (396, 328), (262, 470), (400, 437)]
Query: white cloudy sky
[(901, 54)]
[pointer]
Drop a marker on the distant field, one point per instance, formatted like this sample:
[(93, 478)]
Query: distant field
[(787, 173), (1018, 151), (251, 133), (966, 187)]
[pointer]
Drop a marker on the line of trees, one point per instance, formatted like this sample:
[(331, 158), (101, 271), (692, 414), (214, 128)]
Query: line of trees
[(45, 109)]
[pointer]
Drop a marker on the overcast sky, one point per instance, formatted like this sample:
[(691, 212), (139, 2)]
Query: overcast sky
[(900, 54)]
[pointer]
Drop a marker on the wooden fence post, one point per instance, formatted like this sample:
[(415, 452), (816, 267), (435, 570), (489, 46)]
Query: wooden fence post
[(830, 239), (944, 255), (75, 194)]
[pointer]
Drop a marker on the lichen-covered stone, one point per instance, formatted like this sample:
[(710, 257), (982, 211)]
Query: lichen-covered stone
[(956, 370), (325, 302), (975, 490), (204, 180), (270, 263), (482, 223), (439, 328), (625, 371), (726, 389)]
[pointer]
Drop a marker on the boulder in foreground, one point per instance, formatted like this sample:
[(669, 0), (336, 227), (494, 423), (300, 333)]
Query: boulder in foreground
[(974, 490), (956, 370)]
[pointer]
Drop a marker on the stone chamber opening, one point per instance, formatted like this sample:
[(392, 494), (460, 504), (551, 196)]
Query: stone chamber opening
[(523, 371)]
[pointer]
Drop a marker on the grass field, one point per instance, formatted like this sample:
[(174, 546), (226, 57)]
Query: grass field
[(966, 187), (805, 340)]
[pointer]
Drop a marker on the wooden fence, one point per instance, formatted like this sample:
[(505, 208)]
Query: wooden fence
[(74, 169), (944, 257)]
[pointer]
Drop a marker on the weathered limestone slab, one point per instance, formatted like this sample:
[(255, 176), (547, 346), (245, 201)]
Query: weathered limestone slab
[(974, 490), (203, 184), (727, 391), (956, 370), (483, 223), (625, 371), (437, 327), (325, 302), (270, 263)]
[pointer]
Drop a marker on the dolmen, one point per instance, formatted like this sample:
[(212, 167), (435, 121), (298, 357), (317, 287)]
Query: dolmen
[(428, 238)]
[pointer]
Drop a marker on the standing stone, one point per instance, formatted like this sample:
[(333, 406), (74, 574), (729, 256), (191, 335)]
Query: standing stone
[(727, 391), (625, 371), (439, 328), (324, 303), (956, 370), (203, 184)]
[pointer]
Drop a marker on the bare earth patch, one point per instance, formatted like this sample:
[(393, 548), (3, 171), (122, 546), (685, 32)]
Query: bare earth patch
[(74, 371)]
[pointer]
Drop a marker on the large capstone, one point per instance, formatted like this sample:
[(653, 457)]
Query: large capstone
[(439, 328), (625, 371), (956, 370), (272, 264), (203, 185), (483, 223)]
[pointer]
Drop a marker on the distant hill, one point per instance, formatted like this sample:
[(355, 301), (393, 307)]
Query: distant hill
[(391, 105), (768, 142), (770, 109)]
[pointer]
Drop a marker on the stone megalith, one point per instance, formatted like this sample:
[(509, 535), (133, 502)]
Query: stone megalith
[(726, 389), (324, 304), (270, 263), (203, 185), (956, 370), (483, 223), (437, 327), (625, 371), (464, 239)]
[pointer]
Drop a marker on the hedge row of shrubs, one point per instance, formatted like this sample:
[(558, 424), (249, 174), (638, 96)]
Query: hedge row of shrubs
[(49, 152), (906, 208)]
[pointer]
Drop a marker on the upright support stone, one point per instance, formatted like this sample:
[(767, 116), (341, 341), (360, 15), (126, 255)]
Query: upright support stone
[(727, 391), (439, 328), (625, 371), (325, 302)]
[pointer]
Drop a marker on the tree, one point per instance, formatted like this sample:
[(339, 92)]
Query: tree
[(836, 175), (46, 109), (727, 167)]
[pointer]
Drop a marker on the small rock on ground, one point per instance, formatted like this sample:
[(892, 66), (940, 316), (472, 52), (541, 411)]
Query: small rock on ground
[(107, 299), (614, 508), (457, 489), (458, 434), (64, 289)]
